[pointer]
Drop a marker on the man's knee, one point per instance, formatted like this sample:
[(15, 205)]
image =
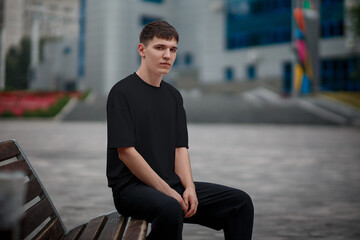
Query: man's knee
[(244, 200), (171, 211)]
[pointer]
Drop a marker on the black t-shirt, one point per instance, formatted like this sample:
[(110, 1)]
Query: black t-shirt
[(151, 119)]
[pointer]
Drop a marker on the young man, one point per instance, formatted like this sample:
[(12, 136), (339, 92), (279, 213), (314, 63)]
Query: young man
[(148, 165)]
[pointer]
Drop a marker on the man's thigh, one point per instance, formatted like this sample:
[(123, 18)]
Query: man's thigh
[(141, 201), (216, 204)]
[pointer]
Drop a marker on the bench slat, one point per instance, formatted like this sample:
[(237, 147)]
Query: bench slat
[(33, 190), (53, 230), (8, 149), (136, 230), (36, 215), (93, 228), (114, 228), (74, 233), (21, 166)]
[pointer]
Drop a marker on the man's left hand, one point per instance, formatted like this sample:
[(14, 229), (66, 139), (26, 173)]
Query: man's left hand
[(191, 201)]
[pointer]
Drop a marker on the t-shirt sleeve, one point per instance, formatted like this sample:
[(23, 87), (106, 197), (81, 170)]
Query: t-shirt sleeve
[(120, 127), (181, 124)]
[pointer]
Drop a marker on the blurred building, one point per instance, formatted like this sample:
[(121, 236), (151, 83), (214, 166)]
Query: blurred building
[(220, 41), (79, 44), (56, 18), (54, 29), (11, 30)]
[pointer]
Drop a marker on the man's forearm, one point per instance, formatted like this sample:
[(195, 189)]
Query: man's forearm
[(141, 169), (183, 167)]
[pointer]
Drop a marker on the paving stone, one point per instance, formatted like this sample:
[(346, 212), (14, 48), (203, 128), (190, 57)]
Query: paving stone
[(304, 180)]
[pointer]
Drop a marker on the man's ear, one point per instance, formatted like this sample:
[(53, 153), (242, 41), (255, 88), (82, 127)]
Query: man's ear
[(141, 48)]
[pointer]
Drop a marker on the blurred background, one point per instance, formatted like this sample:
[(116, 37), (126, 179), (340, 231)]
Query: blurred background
[(271, 90), (259, 56)]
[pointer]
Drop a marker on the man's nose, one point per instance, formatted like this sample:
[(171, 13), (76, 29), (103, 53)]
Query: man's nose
[(167, 53)]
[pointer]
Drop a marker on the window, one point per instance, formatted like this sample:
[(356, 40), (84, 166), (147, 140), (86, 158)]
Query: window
[(154, 1), (251, 72), (287, 77), (332, 18), (188, 59), (66, 50), (148, 19), (229, 74), (338, 74)]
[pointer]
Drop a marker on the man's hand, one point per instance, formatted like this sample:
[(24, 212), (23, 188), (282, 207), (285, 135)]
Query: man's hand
[(191, 202), (177, 196)]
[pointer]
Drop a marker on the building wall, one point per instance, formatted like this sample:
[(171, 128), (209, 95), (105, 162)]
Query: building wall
[(112, 37), (112, 31), (58, 70)]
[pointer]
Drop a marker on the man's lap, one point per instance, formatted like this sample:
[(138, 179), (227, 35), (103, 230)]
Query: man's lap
[(216, 202)]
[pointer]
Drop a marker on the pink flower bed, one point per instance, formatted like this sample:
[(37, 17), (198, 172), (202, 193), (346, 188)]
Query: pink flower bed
[(17, 102)]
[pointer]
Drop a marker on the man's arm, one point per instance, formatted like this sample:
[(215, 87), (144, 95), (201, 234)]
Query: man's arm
[(183, 169), (142, 170)]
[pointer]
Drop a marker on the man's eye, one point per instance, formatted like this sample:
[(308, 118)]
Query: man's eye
[(173, 50), (159, 48)]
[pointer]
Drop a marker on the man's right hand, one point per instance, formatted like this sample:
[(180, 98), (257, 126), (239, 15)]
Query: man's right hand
[(177, 196), (141, 169)]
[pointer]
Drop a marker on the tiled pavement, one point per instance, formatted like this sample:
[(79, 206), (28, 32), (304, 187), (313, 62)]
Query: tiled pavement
[(304, 180)]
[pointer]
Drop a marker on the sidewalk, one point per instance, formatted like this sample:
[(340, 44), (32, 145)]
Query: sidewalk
[(304, 180), (253, 106)]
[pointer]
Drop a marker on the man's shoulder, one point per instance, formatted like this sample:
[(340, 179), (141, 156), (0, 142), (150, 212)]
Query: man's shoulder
[(172, 89), (123, 84)]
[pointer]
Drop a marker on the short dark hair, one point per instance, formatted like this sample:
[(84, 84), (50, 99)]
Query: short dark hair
[(160, 29)]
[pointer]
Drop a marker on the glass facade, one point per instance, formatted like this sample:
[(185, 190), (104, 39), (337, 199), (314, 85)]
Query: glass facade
[(263, 22), (257, 22), (332, 18), (340, 74), (336, 74)]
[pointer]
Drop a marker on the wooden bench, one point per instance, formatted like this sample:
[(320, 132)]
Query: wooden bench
[(40, 219)]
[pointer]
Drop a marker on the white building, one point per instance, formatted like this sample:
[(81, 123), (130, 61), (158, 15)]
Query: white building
[(213, 45), (11, 32)]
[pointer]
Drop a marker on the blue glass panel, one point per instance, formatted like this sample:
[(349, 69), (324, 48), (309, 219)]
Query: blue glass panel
[(148, 19), (338, 74), (229, 74), (255, 22), (154, 1), (81, 39), (251, 72), (188, 59), (287, 78), (332, 18)]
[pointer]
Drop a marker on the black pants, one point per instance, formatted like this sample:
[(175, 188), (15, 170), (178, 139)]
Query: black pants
[(220, 207)]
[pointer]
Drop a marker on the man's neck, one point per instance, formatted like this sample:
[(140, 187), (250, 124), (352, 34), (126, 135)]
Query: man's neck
[(148, 77)]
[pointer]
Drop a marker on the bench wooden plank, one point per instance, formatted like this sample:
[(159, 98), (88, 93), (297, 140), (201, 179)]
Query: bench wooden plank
[(33, 190), (21, 166), (8, 149), (53, 230), (136, 230), (36, 215), (114, 228), (74, 233), (93, 228), (44, 218)]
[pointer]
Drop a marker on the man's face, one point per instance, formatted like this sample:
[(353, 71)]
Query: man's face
[(158, 55)]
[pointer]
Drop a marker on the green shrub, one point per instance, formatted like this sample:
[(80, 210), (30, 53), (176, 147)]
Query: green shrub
[(51, 111), (7, 113)]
